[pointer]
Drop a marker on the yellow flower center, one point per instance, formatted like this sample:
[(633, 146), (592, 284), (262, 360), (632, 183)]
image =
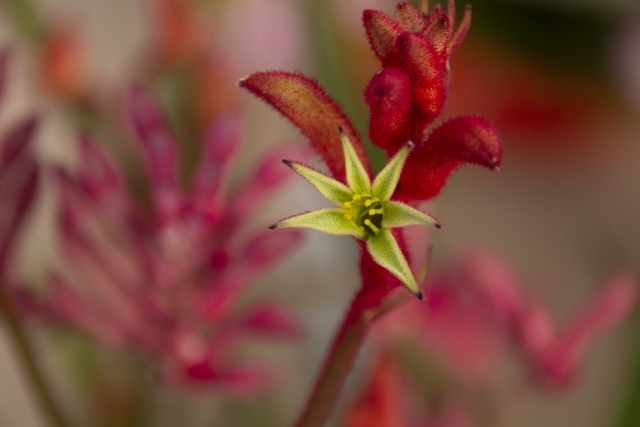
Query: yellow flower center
[(366, 212)]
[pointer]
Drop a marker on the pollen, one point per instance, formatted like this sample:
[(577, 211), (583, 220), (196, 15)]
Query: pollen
[(347, 205), (347, 217), (368, 203), (356, 197)]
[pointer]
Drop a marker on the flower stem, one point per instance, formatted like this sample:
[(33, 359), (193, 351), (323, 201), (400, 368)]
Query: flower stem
[(27, 356), (345, 348)]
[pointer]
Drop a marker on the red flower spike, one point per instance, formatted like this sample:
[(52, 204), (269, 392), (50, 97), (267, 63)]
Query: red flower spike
[(382, 32), (308, 106), (409, 19), (456, 143), (388, 96), (266, 248), (425, 67)]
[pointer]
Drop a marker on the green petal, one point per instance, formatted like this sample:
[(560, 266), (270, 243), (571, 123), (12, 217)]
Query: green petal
[(357, 176), (398, 214), (333, 190), (385, 183), (385, 251), (329, 220)]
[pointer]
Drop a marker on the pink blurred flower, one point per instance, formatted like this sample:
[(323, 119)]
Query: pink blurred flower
[(384, 402), (478, 306), (18, 173), (167, 281)]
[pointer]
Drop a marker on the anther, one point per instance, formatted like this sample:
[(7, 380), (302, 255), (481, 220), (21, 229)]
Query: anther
[(347, 217), (356, 197), (372, 212), (347, 205), (368, 203)]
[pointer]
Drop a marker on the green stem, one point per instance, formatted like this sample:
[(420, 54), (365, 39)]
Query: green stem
[(27, 357)]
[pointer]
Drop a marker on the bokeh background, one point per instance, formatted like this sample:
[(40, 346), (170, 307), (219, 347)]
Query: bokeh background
[(560, 79)]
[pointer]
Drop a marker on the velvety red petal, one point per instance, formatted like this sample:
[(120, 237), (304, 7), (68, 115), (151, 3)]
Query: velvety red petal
[(409, 18), (426, 69), (388, 96), (438, 29), (272, 321), (462, 30), (307, 105), (382, 32), (456, 143)]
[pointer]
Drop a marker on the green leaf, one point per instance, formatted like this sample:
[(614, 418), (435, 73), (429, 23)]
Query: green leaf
[(398, 214), (333, 190), (385, 251), (385, 183), (329, 221), (357, 176)]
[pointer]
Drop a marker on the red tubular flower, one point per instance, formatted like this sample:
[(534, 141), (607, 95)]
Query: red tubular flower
[(168, 284)]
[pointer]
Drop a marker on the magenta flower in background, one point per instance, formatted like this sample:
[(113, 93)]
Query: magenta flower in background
[(168, 281), (18, 175), (479, 305)]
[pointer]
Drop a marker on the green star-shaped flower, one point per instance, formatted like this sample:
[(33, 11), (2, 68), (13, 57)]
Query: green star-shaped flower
[(365, 210)]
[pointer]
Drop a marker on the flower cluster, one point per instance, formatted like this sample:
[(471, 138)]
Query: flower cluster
[(167, 281), (405, 99), (479, 305)]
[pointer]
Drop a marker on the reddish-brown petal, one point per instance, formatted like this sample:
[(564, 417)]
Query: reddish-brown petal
[(98, 174), (408, 18), (456, 143), (308, 106), (268, 247), (388, 96), (426, 68), (382, 32)]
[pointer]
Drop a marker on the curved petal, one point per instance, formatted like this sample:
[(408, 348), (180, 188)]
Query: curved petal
[(357, 177), (385, 251), (398, 214), (385, 183), (329, 221), (308, 106), (456, 143), (333, 190), (382, 33)]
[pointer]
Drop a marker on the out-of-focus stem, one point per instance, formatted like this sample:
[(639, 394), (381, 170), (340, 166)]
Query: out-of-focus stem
[(26, 19), (630, 415), (27, 357), (337, 365), (341, 357)]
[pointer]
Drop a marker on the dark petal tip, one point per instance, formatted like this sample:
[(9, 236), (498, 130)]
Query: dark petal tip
[(438, 225), (273, 227), (410, 145), (340, 130), (287, 162), (420, 296)]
